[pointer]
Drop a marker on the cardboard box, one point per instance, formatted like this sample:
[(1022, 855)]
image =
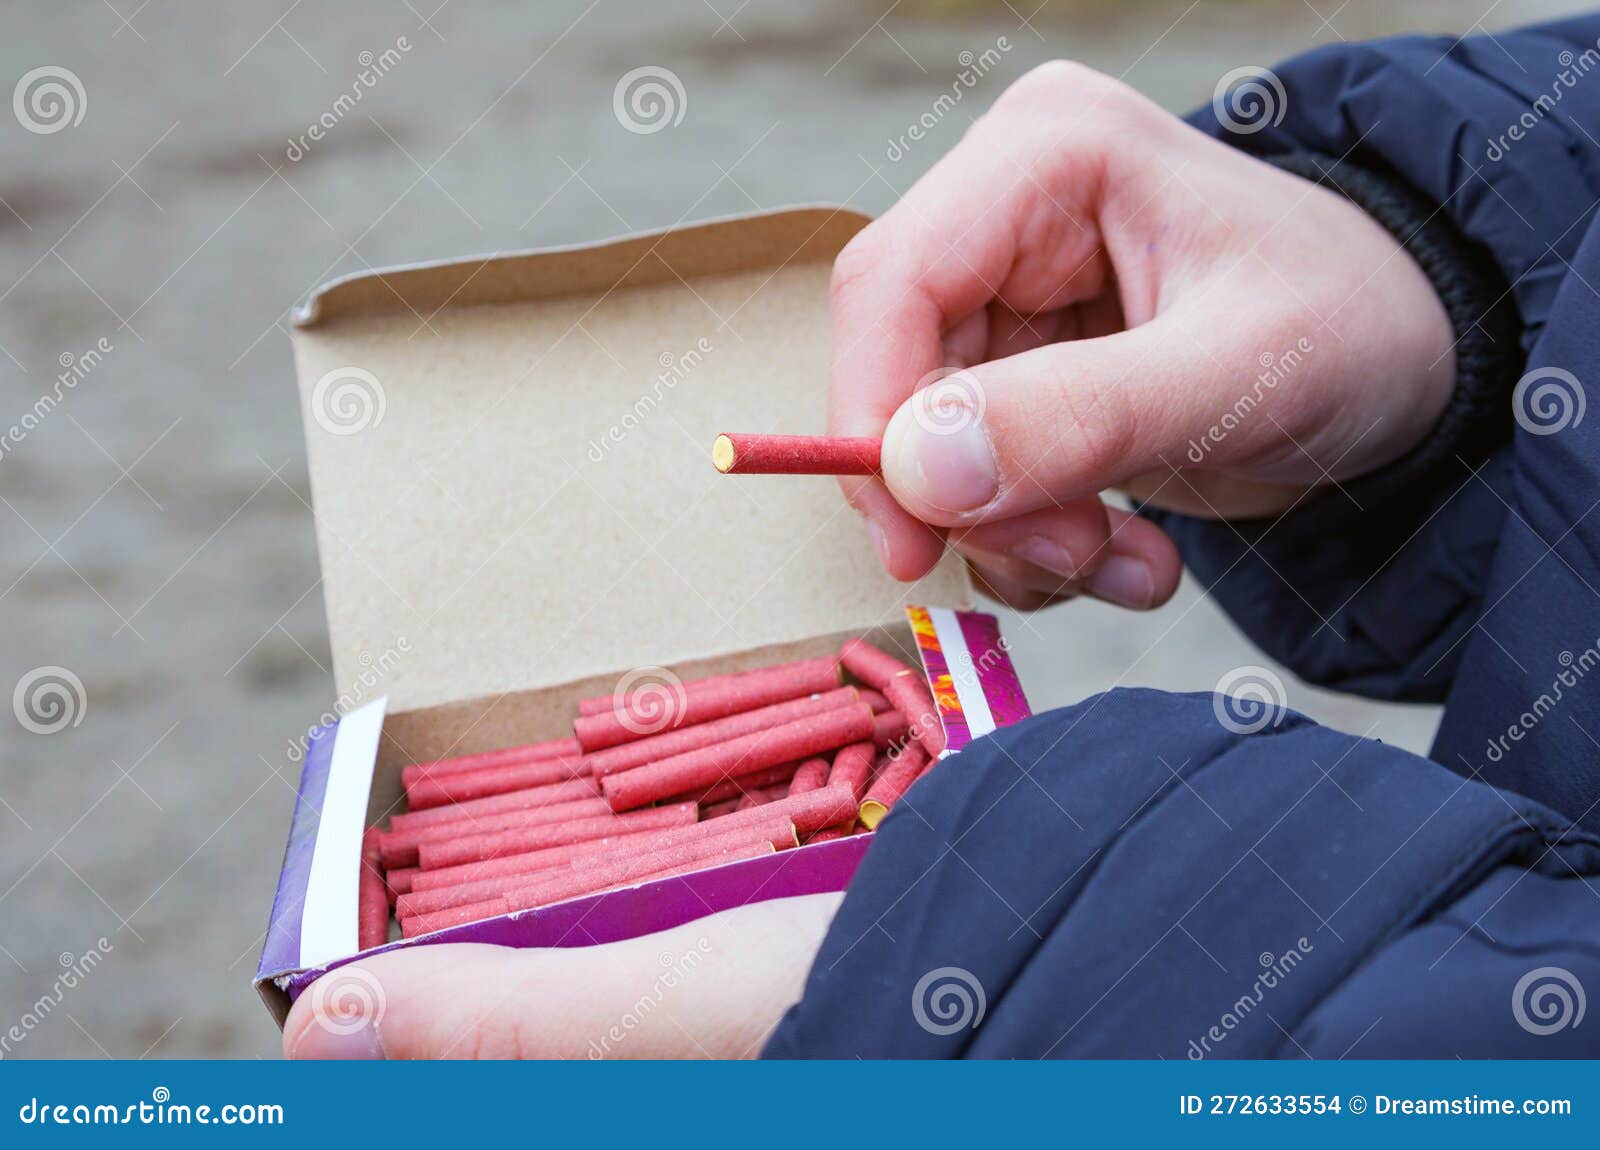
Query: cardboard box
[(515, 508)]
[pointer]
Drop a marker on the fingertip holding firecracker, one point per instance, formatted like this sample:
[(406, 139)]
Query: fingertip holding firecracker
[(743, 454)]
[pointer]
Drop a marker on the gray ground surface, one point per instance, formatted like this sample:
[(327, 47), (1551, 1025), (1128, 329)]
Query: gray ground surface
[(155, 537)]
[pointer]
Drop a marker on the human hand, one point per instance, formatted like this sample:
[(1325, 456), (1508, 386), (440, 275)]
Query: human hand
[(711, 988), (1087, 293)]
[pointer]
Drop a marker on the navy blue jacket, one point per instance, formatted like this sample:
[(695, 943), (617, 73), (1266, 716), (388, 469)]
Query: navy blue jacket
[(1154, 875)]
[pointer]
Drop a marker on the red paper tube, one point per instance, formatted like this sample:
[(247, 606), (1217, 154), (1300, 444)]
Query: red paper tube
[(828, 834), (505, 756), (572, 790), (526, 862), (372, 900), (420, 902), (809, 812), (602, 873), (399, 848), (605, 704), (469, 785), (796, 455), (455, 916), (809, 776), (889, 728), (736, 789), (910, 695), (704, 700), (737, 757), (471, 848), (642, 751), (445, 897), (872, 666), (892, 782), (852, 767), (717, 809), (874, 699), (399, 881), (761, 795)]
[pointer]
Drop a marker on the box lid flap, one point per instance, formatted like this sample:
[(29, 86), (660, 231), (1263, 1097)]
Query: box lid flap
[(509, 458)]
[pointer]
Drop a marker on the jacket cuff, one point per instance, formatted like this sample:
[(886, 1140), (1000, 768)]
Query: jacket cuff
[(1478, 301)]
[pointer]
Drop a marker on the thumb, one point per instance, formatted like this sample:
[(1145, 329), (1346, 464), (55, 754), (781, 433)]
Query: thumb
[(1046, 426), (454, 1001), (713, 987)]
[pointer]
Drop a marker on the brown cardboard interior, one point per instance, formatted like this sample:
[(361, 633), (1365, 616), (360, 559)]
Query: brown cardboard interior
[(490, 721), (515, 503)]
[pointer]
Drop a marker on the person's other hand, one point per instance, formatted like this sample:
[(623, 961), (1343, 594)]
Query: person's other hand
[(712, 988), (1125, 303)]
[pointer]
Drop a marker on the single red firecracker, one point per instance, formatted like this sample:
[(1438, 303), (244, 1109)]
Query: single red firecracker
[(506, 756), (649, 713), (892, 782), (544, 773), (873, 667), (745, 755), (524, 862), (734, 454), (642, 751), (737, 789), (852, 766), (528, 798), (372, 902), (713, 684), (810, 776), (399, 847), (472, 848), (599, 874)]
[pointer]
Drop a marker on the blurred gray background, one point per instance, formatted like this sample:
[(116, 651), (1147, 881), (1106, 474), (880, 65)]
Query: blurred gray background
[(155, 536)]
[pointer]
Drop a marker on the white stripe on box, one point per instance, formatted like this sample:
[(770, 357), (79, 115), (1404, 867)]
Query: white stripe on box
[(974, 703), (328, 920)]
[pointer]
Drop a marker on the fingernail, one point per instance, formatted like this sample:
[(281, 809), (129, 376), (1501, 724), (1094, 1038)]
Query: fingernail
[(880, 542), (1125, 581), (1047, 553), (947, 468), (340, 1038)]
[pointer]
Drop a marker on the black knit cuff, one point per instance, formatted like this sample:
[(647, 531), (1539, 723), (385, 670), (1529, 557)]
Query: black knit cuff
[(1478, 301)]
